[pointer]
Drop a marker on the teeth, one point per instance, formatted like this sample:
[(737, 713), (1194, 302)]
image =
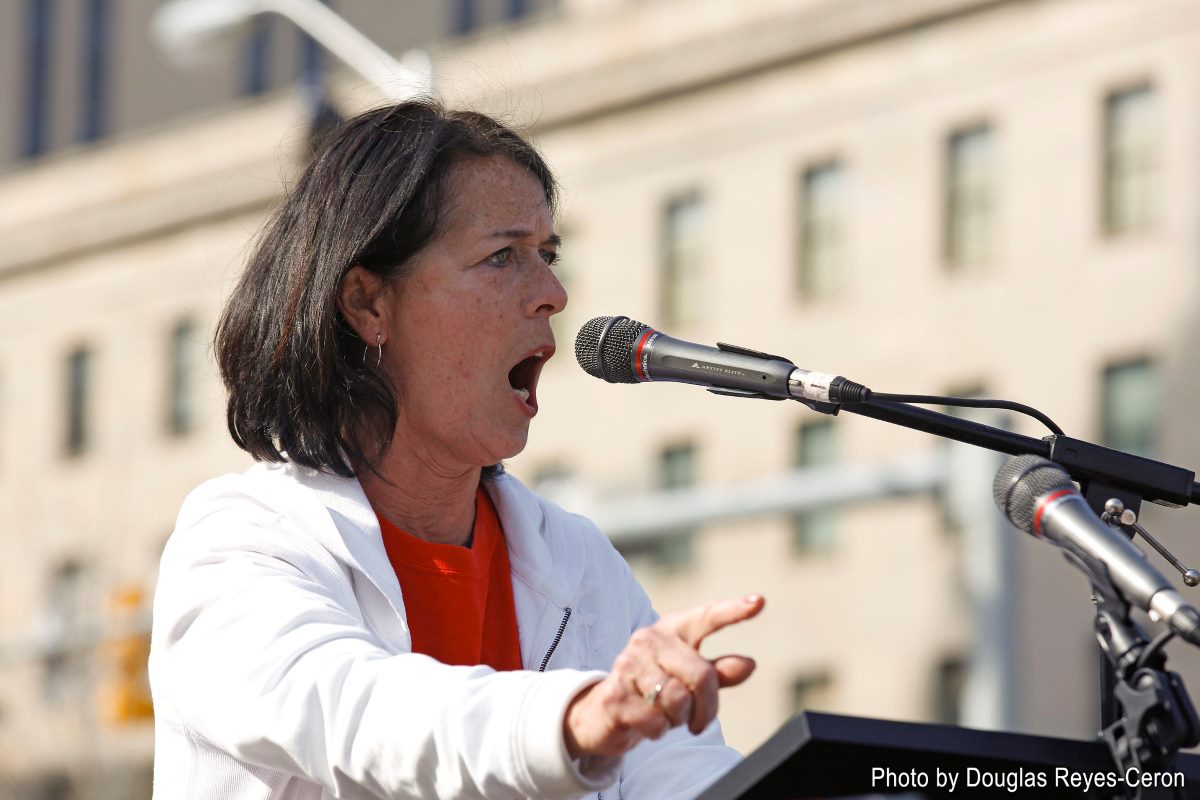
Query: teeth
[(539, 355), (523, 394)]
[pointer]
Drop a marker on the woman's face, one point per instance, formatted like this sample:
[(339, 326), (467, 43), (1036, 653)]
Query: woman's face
[(469, 325)]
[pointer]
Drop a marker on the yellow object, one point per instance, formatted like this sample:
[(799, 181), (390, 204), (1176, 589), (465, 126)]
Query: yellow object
[(124, 689)]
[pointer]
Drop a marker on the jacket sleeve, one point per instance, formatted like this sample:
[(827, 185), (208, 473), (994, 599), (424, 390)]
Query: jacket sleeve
[(680, 765), (260, 650)]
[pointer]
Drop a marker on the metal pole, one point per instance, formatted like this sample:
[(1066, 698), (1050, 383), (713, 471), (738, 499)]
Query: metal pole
[(398, 81), (184, 28)]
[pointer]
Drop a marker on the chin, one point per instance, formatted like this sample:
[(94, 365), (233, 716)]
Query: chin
[(512, 447), (498, 449)]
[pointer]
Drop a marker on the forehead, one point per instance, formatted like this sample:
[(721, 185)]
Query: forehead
[(488, 191)]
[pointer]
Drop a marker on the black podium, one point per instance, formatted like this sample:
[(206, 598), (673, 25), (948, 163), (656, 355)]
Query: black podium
[(826, 755)]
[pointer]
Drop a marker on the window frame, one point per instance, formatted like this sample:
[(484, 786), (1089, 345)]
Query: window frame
[(681, 261), (1115, 175), (79, 399), (955, 255), (807, 285)]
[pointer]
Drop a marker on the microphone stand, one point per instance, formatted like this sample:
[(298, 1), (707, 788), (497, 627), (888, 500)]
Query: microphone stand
[(1159, 717)]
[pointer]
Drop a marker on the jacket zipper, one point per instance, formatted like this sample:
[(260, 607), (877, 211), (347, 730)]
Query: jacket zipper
[(562, 626), (557, 638)]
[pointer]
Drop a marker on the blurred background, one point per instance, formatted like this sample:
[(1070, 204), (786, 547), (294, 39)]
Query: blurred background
[(975, 197)]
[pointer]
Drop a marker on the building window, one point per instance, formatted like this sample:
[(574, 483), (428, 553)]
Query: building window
[(970, 198), (812, 692), (311, 63), (79, 367), (181, 411), (65, 628), (667, 549), (815, 531), (1131, 160), (949, 682), (50, 784), (551, 474), (466, 17), (683, 259), (822, 229), (1131, 405), (97, 30), (39, 26), (677, 467), (677, 470), (256, 59), (558, 483)]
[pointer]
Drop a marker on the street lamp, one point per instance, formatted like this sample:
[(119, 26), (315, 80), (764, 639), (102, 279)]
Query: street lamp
[(186, 28)]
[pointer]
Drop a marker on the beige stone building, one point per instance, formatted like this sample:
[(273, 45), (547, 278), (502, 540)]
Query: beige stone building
[(934, 196)]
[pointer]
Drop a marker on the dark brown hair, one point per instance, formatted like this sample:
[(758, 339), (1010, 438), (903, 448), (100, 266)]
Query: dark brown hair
[(374, 195)]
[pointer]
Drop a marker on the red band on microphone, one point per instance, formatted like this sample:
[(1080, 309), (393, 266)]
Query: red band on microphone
[(1047, 500), (637, 355)]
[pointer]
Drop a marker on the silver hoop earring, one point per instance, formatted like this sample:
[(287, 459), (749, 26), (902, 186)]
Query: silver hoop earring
[(367, 348)]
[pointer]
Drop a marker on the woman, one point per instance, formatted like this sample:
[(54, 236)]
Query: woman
[(377, 609)]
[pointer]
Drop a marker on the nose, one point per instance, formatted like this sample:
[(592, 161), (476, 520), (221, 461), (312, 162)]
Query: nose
[(548, 296)]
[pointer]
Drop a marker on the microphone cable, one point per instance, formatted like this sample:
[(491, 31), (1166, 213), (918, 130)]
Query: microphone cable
[(968, 402)]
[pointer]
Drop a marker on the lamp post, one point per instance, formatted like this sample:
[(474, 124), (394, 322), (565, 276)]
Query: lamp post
[(185, 28)]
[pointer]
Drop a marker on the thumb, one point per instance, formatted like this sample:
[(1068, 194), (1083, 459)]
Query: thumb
[(732, 670)]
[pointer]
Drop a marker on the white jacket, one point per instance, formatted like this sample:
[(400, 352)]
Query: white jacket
[(282, 667)]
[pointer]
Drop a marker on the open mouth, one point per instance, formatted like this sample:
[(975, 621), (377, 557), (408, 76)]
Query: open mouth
[(523, 377)]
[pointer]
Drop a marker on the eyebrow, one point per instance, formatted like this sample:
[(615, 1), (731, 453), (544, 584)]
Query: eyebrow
[(520, 233)]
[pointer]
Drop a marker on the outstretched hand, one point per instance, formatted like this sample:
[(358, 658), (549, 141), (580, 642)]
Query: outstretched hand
[(659, 681)]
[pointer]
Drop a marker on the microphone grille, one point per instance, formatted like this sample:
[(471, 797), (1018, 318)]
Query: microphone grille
[(604, 348), (1021, 481)]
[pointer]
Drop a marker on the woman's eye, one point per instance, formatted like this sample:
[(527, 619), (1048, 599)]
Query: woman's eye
[(550, 256), (500, 258)]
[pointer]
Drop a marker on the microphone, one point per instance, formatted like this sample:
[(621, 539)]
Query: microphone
[(1039, 497), (622, 350)]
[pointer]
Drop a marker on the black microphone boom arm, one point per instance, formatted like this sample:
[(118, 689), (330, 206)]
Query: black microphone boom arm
[(1112, 471)]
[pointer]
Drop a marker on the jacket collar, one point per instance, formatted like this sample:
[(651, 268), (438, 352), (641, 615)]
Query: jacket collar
[(549, 559), (551, 562)]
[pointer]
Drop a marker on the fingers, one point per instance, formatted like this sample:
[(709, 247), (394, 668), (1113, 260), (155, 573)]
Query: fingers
[(673, 698), (690, 685), (670, 684), (694, 625), (660, 681), (732, 670), (672, 644), (644, 709), (639, 685), (695, 675)]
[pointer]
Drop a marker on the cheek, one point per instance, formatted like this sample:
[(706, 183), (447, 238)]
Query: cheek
[(452, 339), (450, 361)]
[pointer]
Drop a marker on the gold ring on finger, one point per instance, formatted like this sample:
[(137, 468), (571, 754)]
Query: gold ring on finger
[(652, 695)]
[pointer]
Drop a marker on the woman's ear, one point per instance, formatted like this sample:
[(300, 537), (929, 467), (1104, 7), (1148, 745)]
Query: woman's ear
[(362, 299)]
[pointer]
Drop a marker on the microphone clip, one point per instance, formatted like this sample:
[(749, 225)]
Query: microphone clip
[(1158, 720), (1117, 515)]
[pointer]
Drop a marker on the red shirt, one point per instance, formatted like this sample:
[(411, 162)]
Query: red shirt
[(459, 600)]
